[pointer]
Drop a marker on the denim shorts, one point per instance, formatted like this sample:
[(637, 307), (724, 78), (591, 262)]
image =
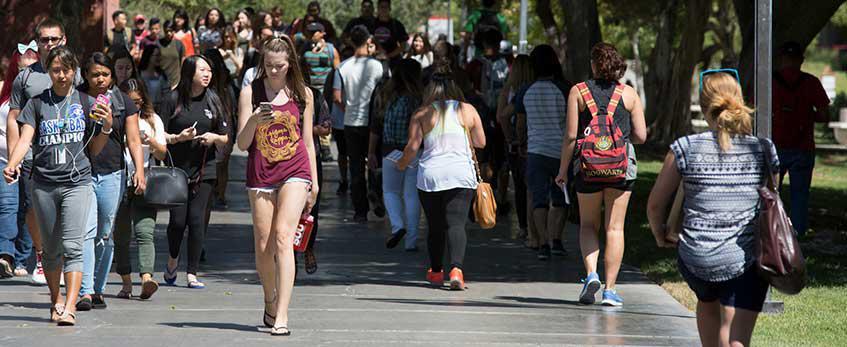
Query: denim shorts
[(541, 172), (747, 291)]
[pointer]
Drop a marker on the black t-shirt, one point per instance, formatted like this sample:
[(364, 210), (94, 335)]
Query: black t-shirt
[(207, 112), (388, 35), (111, 158), (368, 22)]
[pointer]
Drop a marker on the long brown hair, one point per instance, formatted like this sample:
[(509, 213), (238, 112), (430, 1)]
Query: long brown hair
[(724, 107), (521, 73), (405, 81), (294, 78)]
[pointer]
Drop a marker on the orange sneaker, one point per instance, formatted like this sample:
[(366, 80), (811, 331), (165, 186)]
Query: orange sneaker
[(436, 279), (457, 279)]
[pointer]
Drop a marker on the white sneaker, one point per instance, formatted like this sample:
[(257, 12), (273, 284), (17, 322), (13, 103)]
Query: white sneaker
[(38, 273)]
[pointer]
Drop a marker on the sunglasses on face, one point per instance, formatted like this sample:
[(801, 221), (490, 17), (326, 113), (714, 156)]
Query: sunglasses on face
[(49, 39), (732, 72)]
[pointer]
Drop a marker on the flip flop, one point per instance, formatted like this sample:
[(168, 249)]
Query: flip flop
[(280, 331), (148, 289), (124, 294), (68, 318), (56, 312), (196, 285), (170, 276)]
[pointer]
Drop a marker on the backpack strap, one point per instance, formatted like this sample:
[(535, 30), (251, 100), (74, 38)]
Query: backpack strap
[(615, 100), (588, 98)]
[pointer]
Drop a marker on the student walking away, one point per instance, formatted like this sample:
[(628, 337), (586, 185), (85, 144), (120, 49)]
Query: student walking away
[(420, 50), (337, 114), (183, 32), (522, 74), (799, 102), (134, 218), (172, 52), (605, 118), (354, 83), (447, 128), (154, 78), (389, 34), (15, 242), (397, 101), (63, 136), (485, 23), (119, 37), (196, 123), (32, 81), (720, 171), (366, 18), (108, 178), (281, 167), (543, 105)]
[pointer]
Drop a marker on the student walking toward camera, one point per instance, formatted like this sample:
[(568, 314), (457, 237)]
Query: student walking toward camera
[(63, 138), (720, 171), (281, 169), (447, 128), (605, 118), (197, 127)]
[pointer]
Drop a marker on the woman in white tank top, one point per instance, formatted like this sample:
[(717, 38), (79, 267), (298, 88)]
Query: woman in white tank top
[(446, 177)]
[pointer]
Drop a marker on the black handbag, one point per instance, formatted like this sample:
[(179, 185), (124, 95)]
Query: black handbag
[(167, 186)]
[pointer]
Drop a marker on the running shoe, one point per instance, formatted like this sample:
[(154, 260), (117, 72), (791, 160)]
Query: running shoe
[(544, 252), (589, 289), (611, 298), (435, 279), (558, 249), (38, 273), (457, 279)]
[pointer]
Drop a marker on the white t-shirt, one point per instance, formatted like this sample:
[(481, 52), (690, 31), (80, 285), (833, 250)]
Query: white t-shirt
[(249, 77), (159, 136), (357, 77)]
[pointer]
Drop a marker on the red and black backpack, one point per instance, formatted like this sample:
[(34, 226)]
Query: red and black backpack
[(603, 150)]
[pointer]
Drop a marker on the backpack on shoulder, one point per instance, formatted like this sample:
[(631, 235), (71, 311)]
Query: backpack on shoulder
[(494, 75), (602, 151)]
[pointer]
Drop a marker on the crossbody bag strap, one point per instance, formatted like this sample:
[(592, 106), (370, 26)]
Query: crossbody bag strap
[(766, 152)]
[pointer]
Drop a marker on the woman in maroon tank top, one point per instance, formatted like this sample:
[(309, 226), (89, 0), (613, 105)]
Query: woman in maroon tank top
[(281, 169)]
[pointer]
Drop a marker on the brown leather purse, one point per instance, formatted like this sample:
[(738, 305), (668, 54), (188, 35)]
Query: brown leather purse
[(484, 204), (780, 260)]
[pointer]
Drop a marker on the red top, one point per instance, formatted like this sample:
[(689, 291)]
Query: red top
[(796, 95), (278, 152)]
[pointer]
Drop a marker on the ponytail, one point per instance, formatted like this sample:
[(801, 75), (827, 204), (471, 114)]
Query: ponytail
[(725, 109)]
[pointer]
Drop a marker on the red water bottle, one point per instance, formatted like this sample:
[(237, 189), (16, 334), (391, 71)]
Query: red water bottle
[(303, 233)]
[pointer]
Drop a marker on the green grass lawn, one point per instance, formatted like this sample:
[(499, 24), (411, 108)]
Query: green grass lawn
[(815, 317)]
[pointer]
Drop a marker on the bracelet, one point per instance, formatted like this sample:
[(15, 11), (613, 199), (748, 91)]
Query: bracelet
[(104, 132)]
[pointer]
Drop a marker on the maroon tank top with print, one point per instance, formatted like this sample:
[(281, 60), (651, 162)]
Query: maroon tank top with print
[(278, 152)]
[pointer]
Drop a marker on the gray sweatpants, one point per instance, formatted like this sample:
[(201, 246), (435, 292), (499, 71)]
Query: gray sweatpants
[(61, 211)]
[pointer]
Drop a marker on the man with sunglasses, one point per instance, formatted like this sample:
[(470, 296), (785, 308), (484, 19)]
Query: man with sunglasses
[(799, 101), (31, 82)]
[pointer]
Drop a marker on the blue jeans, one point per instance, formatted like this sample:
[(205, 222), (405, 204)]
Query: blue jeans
[(400, 192), (8, 219), (98, 248), (24, 244), (798, 165), (541, 174)]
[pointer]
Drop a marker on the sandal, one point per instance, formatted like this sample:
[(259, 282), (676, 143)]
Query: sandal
[(196, 284), (311, 263), (170, 276), (68, 318), (148, 289), (124, 294), (267, 318), (280, 331), (56, 312)]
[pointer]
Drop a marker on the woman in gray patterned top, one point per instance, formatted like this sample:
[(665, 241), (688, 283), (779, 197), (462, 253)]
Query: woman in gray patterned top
[(720, 171)]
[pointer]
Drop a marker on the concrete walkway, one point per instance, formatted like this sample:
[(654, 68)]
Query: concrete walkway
[(362, 295)]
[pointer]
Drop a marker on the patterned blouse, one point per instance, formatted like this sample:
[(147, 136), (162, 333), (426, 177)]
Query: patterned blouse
[(721, 203)]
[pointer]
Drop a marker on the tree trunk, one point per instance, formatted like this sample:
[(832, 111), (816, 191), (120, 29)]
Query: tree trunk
[(69, 12), (582, 25), (659, 73), (673, 111), (555, 37)]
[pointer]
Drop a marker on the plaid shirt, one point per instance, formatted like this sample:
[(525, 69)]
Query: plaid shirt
[(395, 131)]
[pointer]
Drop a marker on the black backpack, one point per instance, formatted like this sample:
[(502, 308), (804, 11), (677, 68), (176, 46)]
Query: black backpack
[(487, 22)]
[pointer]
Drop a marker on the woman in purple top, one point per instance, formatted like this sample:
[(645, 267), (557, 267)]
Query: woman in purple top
[(281, 169)]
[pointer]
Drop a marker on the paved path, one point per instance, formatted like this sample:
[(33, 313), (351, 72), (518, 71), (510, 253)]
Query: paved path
[(362, 295)]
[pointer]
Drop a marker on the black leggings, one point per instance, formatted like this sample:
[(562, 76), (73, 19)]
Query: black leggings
[(194, 215), (316, 209), (446, 214)]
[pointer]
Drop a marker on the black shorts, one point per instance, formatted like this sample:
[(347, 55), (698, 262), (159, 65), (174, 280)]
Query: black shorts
[(747, 291), (595, 187)]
